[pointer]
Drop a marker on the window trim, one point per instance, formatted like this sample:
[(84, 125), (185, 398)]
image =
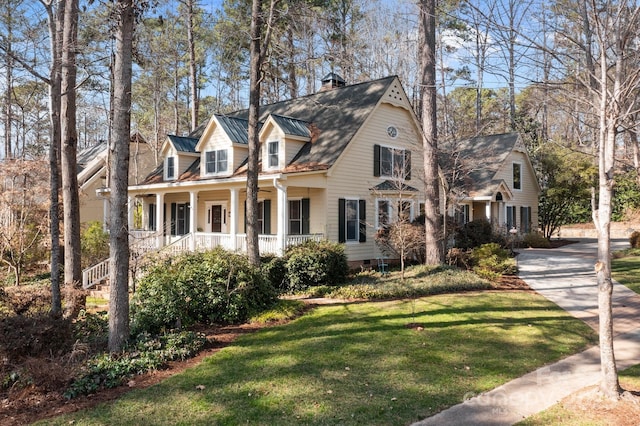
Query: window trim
[(216, 162), (513, 175), (170, 171), (273, 155), (342, 220), (403, 154), (506, 216)]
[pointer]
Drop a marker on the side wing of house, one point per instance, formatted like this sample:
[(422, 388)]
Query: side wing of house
[(521, 211)]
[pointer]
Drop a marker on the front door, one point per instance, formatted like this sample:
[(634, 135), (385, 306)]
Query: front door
[(216, 217)]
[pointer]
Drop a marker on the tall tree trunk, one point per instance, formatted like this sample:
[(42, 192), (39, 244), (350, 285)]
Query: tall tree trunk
[(430, 136), (70, 196), (255, 77), (193, 70), (55, 16), (8, 151), (119, 146)]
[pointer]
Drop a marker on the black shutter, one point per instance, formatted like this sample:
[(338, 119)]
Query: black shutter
[(305, 216), (362, 208), (266, 216), (376, 160), (341, 221), (407, 164), (174, 211)]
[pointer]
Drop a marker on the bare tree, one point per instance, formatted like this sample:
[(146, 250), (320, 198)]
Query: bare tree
[(119, 151), (428, 92), (23, 202)]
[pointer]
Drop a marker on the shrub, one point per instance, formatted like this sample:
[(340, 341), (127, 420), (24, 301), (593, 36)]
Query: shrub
[(208, 287), (475, 233), (535, 240), (491, 261), (315, 263), (634, 239), (275, 269), (459, 257), (94, 242)]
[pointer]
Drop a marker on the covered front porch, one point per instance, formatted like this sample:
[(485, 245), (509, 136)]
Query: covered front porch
[(206, 214)]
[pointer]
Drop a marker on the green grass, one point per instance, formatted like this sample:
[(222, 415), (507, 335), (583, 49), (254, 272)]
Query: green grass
[(359, 364), (560, 415), (625, 268)]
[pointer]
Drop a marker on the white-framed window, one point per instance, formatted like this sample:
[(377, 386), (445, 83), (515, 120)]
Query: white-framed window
[(273, 159), (393, 210), (517, 176), (525, 219), (352, 220), (299, 213), (352, 217), (216, 161), (171, 167), (510, 217), (295, 217), (462, 214), (390, 162)]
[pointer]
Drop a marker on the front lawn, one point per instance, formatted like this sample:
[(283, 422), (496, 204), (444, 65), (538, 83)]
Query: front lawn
[(625, 268), (390, 362)]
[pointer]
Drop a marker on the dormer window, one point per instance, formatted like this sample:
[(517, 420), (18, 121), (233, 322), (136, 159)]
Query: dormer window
[(216, 161), (171, 168), (394, 163), (273, 154)]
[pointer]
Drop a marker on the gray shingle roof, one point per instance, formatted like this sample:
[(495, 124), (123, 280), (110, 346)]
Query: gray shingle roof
[(482, 157), (88, 154), (336, 116)]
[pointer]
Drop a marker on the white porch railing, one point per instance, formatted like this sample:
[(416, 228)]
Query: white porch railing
[(95, 274), (143, 242)]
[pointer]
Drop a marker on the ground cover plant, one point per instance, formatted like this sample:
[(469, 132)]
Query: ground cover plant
[(390, 362)]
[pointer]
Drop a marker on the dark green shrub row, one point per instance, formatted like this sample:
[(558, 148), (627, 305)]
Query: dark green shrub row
[(147, 353), (208, 287), (312, 263), (476, 233)]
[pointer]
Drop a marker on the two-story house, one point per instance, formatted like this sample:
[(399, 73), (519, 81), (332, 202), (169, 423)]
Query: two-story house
[(337, 164)]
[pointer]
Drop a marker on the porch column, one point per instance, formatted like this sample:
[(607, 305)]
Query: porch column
[(106, 206), (281, 237), (131, 207), (234, 212), (160, 219), (487, 212), (193, 218)]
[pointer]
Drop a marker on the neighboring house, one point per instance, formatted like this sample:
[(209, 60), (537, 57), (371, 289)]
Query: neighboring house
[(92, 176), (337, 164), (497, 182)]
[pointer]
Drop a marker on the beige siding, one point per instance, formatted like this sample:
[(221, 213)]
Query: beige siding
[(291, 149), (352, 176), (91, 207), (274, 134), (528, 196), (219, 140)]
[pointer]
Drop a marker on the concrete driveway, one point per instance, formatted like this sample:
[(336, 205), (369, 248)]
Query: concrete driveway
[(566, 277)]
